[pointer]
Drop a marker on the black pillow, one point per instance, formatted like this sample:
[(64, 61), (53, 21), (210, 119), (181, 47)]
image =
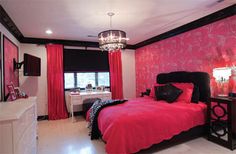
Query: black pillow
[(167, 92), (195, 95)]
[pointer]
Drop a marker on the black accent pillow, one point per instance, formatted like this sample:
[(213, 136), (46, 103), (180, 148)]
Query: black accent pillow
[(195, 95), (167, 92)]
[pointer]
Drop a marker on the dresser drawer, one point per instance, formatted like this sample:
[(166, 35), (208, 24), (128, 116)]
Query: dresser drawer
[(27, 142), (23, 123), (76, 99), (91, 96), (107, 95)]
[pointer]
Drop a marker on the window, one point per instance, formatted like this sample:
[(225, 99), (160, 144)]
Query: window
[(80, 80), (69, 80), (85, 66), (104, 79), (84, 78)]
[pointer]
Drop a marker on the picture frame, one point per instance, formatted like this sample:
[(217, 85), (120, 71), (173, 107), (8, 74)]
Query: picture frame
[(12, 93), (100, 88), (89, 88), (9, 75)]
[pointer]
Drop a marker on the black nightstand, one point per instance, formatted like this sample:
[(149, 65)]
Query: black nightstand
[(222, 121)]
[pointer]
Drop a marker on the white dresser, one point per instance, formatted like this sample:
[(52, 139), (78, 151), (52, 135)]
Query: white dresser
[(18, 123), (79, 98)]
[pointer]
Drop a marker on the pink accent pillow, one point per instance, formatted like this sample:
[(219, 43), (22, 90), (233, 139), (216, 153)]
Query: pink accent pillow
[(185, 96), (187, 91)]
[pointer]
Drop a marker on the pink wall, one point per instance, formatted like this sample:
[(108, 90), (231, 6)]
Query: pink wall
[(202, 49)]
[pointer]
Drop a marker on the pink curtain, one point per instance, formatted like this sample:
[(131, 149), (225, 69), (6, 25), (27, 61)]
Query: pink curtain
[(56, 100), (116, 74)]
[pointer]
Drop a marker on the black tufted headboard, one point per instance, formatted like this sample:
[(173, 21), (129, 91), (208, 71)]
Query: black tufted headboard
[(201, 81)]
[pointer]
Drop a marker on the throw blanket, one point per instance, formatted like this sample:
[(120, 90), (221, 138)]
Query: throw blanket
[(95, 109)]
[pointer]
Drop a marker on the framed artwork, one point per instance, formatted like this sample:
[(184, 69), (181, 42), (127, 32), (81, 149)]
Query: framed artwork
[(10, 76), (12, 92), (100, 88)]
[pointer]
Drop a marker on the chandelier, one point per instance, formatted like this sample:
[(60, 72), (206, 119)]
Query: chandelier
[(111, 40)]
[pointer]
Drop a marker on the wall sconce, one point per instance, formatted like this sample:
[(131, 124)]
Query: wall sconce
[(221, 76)]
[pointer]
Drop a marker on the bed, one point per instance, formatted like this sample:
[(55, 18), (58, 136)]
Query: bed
[(142, 122)]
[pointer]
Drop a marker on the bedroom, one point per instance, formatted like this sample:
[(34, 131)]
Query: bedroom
[(164, 36)]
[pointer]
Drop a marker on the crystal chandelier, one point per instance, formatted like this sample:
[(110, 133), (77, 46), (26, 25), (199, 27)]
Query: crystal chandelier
[(111, 40)]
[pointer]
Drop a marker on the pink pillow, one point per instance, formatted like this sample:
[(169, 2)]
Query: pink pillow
[(187, 91), (185, 96)]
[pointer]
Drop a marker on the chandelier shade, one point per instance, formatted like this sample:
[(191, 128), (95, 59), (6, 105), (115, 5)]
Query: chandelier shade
[(111, 40)]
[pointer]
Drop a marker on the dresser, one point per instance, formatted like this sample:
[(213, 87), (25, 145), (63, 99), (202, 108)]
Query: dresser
[(77, 99), (18, 124)]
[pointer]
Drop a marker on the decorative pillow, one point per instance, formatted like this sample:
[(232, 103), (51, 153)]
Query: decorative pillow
[(152, 93), (11, 91), (187, 89), (167, 92), (195, 95)]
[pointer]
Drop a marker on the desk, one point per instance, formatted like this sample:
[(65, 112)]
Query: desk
[(77, 99)]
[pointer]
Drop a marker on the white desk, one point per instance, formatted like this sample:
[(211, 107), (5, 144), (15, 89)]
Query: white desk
[(79, 98)]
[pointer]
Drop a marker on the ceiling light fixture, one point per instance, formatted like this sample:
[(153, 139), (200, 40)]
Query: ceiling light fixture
[(48, 31), (112, 40)]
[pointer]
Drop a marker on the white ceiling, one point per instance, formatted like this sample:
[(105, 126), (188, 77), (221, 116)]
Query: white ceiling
[(76, 19)]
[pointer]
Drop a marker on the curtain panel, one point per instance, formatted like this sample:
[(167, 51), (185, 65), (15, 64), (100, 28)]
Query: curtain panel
[(55, 78), (116, 82)]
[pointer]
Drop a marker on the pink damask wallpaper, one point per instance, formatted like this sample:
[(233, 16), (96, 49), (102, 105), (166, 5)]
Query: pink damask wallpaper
[(202, 49)]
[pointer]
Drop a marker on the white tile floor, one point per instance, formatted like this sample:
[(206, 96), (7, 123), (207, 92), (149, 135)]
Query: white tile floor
[(65, 137)]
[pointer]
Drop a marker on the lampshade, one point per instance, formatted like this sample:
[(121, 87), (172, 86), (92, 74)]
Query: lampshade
[(111, 40), (222, 74)]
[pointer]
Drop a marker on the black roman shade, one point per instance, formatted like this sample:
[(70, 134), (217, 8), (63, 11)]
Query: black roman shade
[(77, 60)]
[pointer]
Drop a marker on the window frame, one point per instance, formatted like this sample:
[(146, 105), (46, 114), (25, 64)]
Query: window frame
[(75, 80)]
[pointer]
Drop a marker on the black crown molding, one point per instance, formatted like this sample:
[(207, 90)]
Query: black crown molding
[(58, 41), (221, 14), (9, 24), (65, 42), (11, 27)]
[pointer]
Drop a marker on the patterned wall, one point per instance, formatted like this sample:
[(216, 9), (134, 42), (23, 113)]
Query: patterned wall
[(202, 49)]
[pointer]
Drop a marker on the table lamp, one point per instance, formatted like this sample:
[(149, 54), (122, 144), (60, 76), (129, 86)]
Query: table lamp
[(221, 76)]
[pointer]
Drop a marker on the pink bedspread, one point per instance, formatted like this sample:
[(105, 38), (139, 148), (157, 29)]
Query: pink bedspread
[(142, 122)]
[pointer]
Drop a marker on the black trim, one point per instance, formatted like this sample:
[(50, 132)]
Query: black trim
[(42, 117), (45, 117), (58, 41), (195, 132), (9, 24), (65, 42), (221, 14)]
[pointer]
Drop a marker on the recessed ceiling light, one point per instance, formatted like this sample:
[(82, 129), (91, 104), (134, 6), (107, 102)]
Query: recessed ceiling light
[(48, 31)]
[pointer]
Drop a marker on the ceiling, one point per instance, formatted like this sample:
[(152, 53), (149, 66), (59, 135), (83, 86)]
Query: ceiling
[(76, 19)]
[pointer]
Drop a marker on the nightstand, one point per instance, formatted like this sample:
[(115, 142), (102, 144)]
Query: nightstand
[(222, 121)]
